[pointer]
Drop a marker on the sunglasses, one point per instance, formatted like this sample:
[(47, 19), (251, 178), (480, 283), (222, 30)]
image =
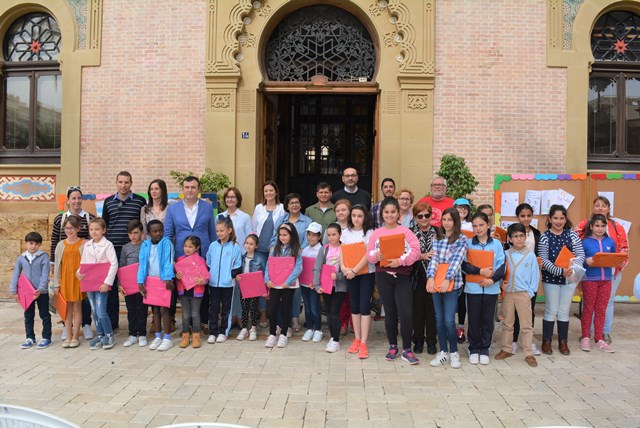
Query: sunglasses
[(71, 188), (423, 216)]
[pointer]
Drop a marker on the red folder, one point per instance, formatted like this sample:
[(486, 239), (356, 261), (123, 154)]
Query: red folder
[(95, 275), (25, 292), (391, 247), (192, 268), (280, 268), (252, 284), (352, 254), (157, 293), (326, 281), (481, 259), (306, 277), (128, 278)]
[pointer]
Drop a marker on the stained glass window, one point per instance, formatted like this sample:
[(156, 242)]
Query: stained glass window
[(33, 37)]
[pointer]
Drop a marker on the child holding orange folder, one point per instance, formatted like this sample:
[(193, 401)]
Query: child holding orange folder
[(596, 286), (394, 279), (359, 275), (484, 268)]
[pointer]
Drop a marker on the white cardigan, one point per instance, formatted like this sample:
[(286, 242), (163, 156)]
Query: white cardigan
[(260, 215)]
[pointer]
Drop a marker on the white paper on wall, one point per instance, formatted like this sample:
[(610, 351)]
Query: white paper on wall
[(508, 203), (549, 197), (533, 197), (565, 198)]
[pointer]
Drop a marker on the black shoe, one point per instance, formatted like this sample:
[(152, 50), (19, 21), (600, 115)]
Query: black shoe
[(431, 348), (418, 347)]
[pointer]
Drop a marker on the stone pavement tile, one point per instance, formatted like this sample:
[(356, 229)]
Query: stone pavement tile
[(488, 419), (337, 411), (452, 423), (281, 423), (378, 411), (489, 405), (516, 414), (146, 414), (544, 410), (633, 422), (313, 423), (294, 410), (512, 423), (458, 410), (161, 420), (401, 419), (542, 422), (337, 423)]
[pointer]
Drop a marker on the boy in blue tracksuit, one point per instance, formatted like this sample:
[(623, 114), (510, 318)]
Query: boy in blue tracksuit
[(224, 259), (482, 296), (34, 263)]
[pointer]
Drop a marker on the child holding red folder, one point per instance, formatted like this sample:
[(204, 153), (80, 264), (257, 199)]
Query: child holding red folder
[(34, 264), (156, 260), (190, 299), (99, 250), (250, 312)]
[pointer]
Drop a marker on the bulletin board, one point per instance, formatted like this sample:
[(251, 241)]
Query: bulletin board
[(626, 197)]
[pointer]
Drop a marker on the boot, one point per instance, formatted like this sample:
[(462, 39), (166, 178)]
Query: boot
[(185, 340), (563, 333), (547, 335), (546, 347), (196, 342), (418, 347)]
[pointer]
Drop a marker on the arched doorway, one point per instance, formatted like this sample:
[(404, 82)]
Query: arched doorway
[(319, 101)]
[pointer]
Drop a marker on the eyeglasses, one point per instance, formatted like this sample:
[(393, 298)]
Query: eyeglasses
[(423, 216), (349, 175), (404, 199), (294, 203), (69, 228), (437, 185), (231, 197)]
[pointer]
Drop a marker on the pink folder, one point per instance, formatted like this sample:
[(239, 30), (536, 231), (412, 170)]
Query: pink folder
[(326, 282), (306, 277), (192, 268), (25, 291), (128, 277), (95, 274), (157, 293), (252, 284), (280, 268)]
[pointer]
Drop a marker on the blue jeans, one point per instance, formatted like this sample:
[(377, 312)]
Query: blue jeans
[(446, 306), (297, 300), (311, 308), (99, 306), (557, 301)]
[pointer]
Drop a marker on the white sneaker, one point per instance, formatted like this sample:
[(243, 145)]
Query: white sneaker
[(63, 336), (221, 338), (165, 345), (282, 341), (308, 335), (289, 332), (211, 339), (317, 336), (142, 341), (332, 346), (440, 358), (484, 360), (514, 348), (131, 340), (474, 359), (271, 341), (535, 350), (243, 334), (155, 344), (87, 332), (253, 334), (455, 360)]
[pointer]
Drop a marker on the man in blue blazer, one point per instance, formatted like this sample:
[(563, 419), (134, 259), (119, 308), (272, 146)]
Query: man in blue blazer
[(191, 216)]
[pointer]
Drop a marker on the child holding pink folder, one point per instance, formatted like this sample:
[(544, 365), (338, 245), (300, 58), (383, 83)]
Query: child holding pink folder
[(190, 299), (99, 250), (309, 295), (250, 312), (136, 309)]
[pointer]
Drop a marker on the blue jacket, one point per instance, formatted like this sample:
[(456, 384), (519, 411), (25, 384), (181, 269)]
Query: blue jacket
[(301, 227), (498, 266), (165, 252), (177, 228), (225, 262), (256, 264), (37, 272), (591, 247), (524, 277)]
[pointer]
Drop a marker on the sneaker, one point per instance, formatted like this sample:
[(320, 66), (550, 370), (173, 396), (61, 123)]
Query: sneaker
[(474, 359), (585, 344), (514, 348), (221, 338), (131, 340), (604, 347), (282, 341), (392, 354), (165, 345), (607, 338), (63, 336), (410, 357), (535, 351), (87, 332), (355, 346), (455, 360), (27, 343), (484, 360), (44, 343), (155, 343), (243, 334), (211, 339), (332, 346), (307, 336), (96, 343), (142, 341), (271, 341), (317, 336), (441, 358), (289, 332), (253, 334), (461, 336), (363, 351), (108, 341)]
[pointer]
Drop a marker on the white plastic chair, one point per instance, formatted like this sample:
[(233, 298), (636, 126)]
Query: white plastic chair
[(23, 417)]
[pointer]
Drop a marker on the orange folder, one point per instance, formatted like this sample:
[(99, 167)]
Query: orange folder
[(352, 254), (500, 233), (608, 260), (564, 258), (441, 274), (468, 233), (391, 247), (61, 305), (481, 259)]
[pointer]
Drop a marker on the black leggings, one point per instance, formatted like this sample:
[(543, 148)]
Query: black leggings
[(462, 307), (333, 303), (424, 314), (397, 297), (280, 299)]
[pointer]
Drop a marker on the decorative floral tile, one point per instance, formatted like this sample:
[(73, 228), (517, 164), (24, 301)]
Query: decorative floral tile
[(27, 188)]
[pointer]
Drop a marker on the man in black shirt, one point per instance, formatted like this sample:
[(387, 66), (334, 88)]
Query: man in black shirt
[(351, 191)]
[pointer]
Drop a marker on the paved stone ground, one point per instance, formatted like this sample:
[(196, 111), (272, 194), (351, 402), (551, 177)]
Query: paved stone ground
[(302, 386)]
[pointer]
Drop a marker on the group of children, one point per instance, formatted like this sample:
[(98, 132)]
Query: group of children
[(450, 271)]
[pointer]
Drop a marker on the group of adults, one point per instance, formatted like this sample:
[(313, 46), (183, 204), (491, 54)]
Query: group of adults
[(194, 216)]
